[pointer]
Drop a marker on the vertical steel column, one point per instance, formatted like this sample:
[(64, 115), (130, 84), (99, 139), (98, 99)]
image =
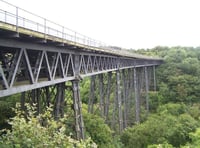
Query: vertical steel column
[(107, 101), (78, 110), (113, 123), (118, 93), (59, 100), (154, 77), (129, 95), (140, 85), (147, 88), (92, 94), (137, 110), (124, 97), (77, 100), (101, 98)]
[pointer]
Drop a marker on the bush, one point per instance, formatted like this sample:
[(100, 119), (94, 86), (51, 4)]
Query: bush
[(38, 131), (96, 128), (161, 128)]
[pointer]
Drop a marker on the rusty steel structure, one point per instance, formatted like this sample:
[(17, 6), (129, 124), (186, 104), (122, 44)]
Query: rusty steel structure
[(38, 57)]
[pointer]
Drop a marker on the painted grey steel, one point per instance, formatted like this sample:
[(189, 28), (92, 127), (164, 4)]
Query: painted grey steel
[(124, 92), (137, 106), (146, 88), (154, 77), (119, 102), (56, 64), (78, 110), (92, 94), (101, 95), (108, 93)]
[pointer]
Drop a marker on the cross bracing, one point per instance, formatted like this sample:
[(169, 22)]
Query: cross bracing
[(26, 65)]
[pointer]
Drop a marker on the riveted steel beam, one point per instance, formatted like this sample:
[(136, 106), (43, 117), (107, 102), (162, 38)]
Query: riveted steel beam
[(26, 66)]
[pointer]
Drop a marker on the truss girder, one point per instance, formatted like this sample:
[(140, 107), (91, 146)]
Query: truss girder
[(25, 66)]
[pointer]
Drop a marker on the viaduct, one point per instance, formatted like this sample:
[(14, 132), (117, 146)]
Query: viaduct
[(44, 61)]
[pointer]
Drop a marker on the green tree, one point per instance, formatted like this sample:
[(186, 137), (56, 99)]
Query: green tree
[(38, 131), (96, 128), (171, 124)]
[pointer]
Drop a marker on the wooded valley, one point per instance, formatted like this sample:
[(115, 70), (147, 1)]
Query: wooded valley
[(173, 120)]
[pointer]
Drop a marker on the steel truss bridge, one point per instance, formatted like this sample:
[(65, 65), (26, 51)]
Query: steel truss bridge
[(38, 58)]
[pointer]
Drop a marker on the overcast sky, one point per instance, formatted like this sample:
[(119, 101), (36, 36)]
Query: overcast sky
[(125, 23)]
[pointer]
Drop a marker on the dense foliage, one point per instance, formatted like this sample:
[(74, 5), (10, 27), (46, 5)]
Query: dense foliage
[(175, 108), (165, 126), (178, 77), (38, 131), (173, 121), (97, 129)]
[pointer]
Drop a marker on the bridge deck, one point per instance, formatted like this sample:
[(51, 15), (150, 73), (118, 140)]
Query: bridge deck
[(7, 29)]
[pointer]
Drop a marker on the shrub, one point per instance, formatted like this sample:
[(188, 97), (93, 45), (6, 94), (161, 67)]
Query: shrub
[(38, 131)]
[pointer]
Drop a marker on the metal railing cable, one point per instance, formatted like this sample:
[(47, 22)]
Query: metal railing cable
[(19, 17)]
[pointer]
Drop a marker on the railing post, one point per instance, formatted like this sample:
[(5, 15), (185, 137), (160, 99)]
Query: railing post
[(45, 28), (17, 18), (75, 38), (63, 29)]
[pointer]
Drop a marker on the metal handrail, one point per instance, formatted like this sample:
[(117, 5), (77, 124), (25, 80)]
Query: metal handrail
[(45, 26)]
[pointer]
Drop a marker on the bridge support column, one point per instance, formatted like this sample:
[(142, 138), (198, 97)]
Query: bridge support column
[(92, 94), (107, 101), (118, 95), (146, 88), (154, 77), (137, 105), (79, 125), (125, 91), (78, 110), (129, 101), (59, 102), (101, 95)]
